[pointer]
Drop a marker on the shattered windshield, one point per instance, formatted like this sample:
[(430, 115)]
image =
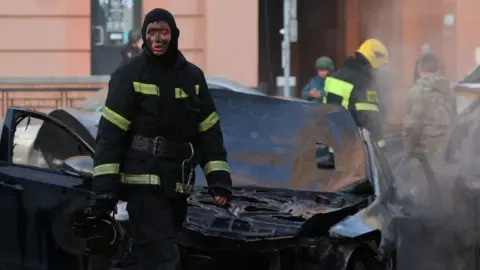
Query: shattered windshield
[(272, 142)]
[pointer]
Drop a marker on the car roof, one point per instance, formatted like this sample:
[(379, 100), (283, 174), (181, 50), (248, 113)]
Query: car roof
[(221, 82), (97, 99)]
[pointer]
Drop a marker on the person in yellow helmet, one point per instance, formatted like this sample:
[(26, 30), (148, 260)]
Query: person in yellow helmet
[(354, 87)]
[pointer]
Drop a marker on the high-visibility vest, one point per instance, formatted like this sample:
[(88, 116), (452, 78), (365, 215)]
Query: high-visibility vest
[(339, 92)]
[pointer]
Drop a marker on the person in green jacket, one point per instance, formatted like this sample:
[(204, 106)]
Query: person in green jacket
[(315, 88)]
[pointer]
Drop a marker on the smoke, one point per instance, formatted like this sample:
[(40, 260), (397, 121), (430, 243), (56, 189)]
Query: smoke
[(438, 230), (393, 80), (407, 33)]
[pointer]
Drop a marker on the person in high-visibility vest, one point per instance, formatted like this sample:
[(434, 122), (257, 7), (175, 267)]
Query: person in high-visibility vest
[(353, 86)]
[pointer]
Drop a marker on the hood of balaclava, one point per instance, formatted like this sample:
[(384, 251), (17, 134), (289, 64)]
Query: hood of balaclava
[(157, 15)]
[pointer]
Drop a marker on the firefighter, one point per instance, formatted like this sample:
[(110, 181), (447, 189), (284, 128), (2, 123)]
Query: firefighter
[(353, 86), (133, 47), (158, 123)]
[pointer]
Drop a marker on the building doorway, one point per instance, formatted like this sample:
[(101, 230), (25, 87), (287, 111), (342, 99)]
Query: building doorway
[(321, 31), (111, 20)]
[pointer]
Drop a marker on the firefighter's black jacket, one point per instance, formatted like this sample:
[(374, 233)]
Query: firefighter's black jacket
[(157, 96), (142, 100), (363, 101)]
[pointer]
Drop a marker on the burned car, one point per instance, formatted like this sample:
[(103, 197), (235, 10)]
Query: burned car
[(310, 192)]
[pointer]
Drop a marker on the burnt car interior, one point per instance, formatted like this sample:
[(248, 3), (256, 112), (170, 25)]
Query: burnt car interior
[(60, 146)]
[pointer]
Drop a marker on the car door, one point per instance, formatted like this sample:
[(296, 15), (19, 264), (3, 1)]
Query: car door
[(35, 200)]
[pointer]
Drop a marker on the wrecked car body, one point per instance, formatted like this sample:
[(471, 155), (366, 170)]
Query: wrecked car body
[(310, 192)]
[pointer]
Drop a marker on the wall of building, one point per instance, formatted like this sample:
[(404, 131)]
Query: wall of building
[(44, 38), (52, 37), (220, 36), (466, 35), (404, 25)]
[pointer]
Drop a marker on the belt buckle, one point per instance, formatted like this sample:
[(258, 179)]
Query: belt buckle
[(158, 147)]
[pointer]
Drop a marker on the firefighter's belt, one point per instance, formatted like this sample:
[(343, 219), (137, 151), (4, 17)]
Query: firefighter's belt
[(159, 147)]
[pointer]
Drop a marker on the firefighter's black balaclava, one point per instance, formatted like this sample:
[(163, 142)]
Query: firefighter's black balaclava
[(157, 15)]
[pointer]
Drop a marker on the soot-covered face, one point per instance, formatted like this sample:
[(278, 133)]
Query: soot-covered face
[(158, 36)]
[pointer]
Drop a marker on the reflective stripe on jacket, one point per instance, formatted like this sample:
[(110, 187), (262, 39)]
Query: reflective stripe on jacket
[(352, 87)]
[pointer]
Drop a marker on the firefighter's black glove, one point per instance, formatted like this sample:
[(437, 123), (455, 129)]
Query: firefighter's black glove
[(105, 204), (220, 195), (106, 189)]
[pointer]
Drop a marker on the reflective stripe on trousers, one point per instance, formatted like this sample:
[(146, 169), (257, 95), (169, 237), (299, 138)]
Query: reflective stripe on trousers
[(141, 179), (151, 179), (110, 168)]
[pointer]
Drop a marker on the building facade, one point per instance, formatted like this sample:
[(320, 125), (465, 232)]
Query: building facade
[(224, 37), (61, 38)]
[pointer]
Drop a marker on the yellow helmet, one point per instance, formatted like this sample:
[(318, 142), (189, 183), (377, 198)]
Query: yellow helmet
[(375, 52)]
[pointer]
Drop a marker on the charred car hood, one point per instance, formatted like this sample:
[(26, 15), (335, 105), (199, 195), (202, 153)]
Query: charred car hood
[(257, 213)]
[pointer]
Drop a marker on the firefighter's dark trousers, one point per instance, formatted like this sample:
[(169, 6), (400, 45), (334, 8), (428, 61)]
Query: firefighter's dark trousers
[(99, 263), (154, 223)]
